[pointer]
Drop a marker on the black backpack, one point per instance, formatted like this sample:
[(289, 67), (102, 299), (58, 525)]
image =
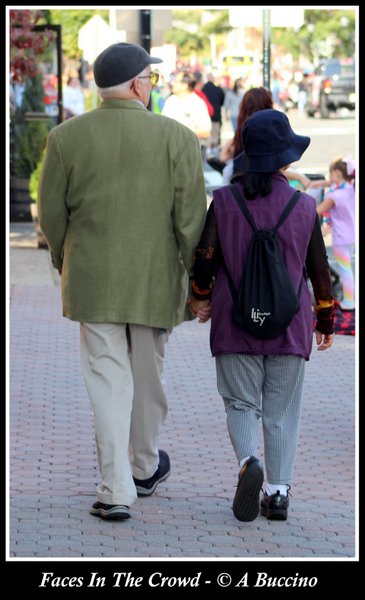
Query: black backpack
[(266, 300)]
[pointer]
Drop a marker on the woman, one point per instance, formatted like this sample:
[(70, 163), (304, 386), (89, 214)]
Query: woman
[(232, 102), (263, 378), (254, 99)]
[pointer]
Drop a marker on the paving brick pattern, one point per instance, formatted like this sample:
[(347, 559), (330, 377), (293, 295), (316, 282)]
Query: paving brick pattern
[(53, 467)]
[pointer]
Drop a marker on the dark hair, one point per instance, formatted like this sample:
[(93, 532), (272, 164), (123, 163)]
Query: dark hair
[(236, 85), (340, 165), (71, 78), (198, 76), (186, 77), (254, 99), (254, 184)]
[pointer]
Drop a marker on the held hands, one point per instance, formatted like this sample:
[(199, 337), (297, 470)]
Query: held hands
[(199, 308), (324, 340)]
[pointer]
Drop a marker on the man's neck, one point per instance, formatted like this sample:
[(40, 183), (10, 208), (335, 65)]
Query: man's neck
[(124, 95)]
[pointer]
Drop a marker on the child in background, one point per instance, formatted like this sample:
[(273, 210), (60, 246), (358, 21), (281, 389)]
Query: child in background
[(339, 205)]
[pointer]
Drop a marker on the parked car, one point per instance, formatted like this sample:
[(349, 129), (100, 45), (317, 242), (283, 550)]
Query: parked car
[(331, 86)]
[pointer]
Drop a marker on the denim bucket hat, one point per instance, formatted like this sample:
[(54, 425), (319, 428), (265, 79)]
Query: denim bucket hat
[(121, 62), (269, 143)]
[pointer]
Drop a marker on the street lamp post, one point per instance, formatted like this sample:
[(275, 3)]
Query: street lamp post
[(145, 23), (266, 50)]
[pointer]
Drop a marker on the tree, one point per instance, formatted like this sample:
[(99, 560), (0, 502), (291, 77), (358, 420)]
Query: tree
[(189, 33), (333, 29), (71, 22)]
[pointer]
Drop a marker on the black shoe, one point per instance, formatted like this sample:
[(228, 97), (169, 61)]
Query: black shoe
[(110, 511), (246, 500), (146, 487), (275, 506)]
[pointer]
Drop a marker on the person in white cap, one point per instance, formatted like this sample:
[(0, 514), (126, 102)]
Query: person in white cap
[(122, 205)]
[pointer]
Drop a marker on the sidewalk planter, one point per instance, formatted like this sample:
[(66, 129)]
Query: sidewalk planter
[(20, 200), (29, 127)]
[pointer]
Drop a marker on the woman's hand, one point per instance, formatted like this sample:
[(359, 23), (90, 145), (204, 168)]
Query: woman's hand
[(324, 340)]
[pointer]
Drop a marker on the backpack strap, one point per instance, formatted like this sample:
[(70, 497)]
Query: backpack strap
[(289, 207), (242, 204)]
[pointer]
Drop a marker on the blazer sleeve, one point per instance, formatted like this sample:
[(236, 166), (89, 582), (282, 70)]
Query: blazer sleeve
[(52, 208), (190, 202)]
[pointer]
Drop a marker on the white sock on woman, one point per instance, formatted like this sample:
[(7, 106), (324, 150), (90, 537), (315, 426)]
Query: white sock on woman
[(272, 488)]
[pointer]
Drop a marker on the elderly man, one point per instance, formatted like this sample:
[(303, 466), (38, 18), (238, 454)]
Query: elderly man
[(122, 205)]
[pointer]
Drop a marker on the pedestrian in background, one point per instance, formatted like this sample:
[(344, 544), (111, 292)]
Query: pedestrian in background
[(122, 205), (157, 100), (215, 95), (232, 102), (302, 94), (263, 378), (255, 99), (198, 90), (73, 98), (185, 106), (339, 203)]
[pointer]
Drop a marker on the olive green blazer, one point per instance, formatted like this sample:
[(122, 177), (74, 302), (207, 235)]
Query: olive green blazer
[(122, 205)]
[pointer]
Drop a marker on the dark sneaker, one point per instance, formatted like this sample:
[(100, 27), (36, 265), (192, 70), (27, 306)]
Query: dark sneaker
[(146, 487), (275, 506), (246, 500), (110, 511)]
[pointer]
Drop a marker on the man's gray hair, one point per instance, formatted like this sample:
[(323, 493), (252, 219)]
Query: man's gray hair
[(109, 91)]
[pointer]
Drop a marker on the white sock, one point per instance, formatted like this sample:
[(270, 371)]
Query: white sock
[(243, 461), (272, 488)]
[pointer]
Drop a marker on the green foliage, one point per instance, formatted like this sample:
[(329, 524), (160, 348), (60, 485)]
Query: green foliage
[(338, 26), (333, 32), (33, 95), (219, 24), (34, 179), (71, 22), (31, 146), (189, 16), (188, 40)]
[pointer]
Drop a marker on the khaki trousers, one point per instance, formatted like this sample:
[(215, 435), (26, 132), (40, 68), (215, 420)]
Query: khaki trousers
[(122, 368)]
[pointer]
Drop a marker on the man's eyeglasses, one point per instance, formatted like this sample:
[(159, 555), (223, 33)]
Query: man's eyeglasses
[(154, 77)]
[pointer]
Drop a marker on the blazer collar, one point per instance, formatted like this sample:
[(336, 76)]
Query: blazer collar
[(121, 103)]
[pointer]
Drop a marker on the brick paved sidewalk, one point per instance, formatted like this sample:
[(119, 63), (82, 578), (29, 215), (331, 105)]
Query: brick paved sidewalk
[(53, 471)]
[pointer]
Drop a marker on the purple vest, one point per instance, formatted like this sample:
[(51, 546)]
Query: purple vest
[(235, 233)]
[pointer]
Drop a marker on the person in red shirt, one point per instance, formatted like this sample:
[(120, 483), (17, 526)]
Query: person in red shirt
[(198, 84)]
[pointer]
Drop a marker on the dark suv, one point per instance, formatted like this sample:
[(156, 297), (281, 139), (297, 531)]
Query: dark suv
[(331, 86)]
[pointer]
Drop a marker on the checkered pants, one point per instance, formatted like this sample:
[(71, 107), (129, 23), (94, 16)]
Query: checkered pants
[(267, 387)]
